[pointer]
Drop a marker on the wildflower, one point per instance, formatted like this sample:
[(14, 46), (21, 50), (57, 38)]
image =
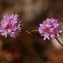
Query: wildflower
[(10, 25), (49, 28)]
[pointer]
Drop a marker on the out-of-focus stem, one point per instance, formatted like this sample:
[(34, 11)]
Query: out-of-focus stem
[(34, 52), (32, 49), (34, 30), (59, 41)]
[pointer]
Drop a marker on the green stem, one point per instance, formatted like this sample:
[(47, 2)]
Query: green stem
[(34, 52), (59, 41), (32, 49)]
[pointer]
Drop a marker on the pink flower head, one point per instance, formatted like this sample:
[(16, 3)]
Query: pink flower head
[(10, 25), (49, 28)]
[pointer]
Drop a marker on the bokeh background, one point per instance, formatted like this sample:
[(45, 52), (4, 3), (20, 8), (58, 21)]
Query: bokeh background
[(31, 14)]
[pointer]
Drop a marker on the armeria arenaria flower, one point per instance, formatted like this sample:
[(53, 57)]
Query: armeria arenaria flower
[(49, 28), (10, 25)]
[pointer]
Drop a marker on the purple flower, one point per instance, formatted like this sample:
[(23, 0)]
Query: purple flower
[(10, 25), (49, 28)]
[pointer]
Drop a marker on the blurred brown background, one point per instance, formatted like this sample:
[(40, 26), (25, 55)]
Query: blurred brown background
[(31, 14)]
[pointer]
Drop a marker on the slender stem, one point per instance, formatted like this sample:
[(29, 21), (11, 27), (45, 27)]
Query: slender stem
[(34, 52), (28, 32), (34, 30), (55, 37), (59, 41)]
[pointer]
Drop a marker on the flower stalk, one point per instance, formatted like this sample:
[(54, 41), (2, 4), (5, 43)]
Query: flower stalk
[(32, 49), (34, 52), (59, 41)]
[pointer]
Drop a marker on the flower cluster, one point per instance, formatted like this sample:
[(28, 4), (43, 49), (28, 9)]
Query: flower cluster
[(10, 25), (49, 28)]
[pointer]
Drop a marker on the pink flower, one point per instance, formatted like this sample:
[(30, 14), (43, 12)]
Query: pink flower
[(49, 28), (10, 25)]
